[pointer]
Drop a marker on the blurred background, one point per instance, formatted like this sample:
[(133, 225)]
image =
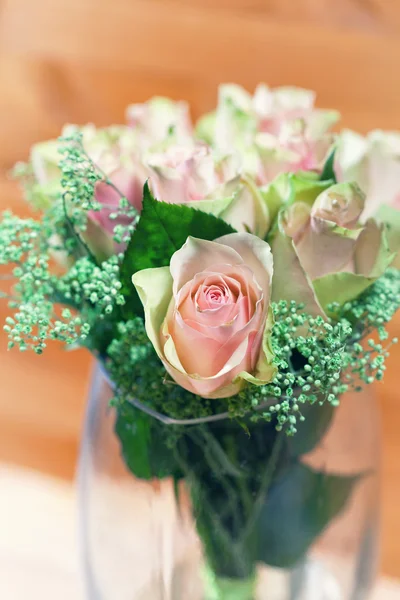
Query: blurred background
[(85, 60)]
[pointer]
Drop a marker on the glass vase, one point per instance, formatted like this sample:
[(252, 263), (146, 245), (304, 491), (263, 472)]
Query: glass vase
[(227, 510)]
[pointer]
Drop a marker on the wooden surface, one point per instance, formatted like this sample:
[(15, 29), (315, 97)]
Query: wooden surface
[(38, 514), (85, 60)]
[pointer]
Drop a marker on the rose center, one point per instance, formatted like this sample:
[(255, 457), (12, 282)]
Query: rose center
[(216, 295)]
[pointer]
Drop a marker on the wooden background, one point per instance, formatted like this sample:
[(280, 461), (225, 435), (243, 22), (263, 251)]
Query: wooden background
[(85, 60)]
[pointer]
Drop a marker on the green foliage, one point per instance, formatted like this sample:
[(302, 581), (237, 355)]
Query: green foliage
[(135, 368), (49, 306), (144, 444), (88, 283), (317, 362), (87, 287), (162, 230), (135, 425), (24, 245), (79, 176), (340, 287), (228, 472), (252, 498), (298, 507)]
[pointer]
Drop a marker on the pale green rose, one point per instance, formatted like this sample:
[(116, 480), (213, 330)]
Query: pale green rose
[(331, 255), (203, 179), (326, 242)]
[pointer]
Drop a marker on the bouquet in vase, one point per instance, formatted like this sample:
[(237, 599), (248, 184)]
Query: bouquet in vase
[(234, 280)]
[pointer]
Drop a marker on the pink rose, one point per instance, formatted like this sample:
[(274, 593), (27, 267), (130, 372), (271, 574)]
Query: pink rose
[(276, 130), (294, 150), (208, 315), (127, 183), (113, 150), (276, 107), (292, 135), (200, 178), (181, 174)]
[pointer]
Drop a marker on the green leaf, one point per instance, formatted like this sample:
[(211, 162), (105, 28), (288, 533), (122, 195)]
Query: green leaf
[(307, 187), (213, 206), (143, 444), (287, 188), (299, 506), (133, 430), (162, 230), (328, 172)]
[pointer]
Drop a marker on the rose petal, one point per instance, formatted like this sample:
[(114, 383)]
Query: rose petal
[(374, 253), (324, 250), (198, 255), (45, 158), (210, 356), (256, 254), (265, 370), (248, 211), (223, 349), (383, 172), (154, 287), (226, 326), (295, 219), (342, 204), (179, 337), (128, 185), (205, 385), (298, 286)]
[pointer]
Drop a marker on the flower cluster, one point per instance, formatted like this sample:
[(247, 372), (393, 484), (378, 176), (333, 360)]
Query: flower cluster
[(275, 131), (310, 355), (244, 245)]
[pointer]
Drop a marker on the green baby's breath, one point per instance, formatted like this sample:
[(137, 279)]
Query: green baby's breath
[(318, 361), (79, 178), (81, 304)]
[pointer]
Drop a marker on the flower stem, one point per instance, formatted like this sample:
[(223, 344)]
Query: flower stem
[(224, 588), (262, 495)]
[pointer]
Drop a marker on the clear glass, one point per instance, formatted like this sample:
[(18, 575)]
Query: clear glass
[(140, 540)]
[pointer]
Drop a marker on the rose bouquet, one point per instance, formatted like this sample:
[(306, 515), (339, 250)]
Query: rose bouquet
[(233, 280)]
